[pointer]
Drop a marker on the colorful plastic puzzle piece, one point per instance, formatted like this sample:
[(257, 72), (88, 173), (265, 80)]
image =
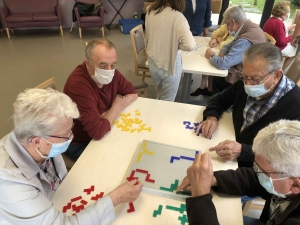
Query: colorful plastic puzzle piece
[(183, 219), (158, 211), (131, 208), (97, 196), (89, 190), (76, 199), (66, 207)]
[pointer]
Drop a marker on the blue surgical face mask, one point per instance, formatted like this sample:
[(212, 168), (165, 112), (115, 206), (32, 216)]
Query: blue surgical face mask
[(56, 149), (256, 90), (232, 33), (267, 183)]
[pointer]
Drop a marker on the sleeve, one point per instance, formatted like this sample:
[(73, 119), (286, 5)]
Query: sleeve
[(186, 40), (25, 204), (201, 210), (84, 96), (207, 17), (281, 38), (247, 155), (221, 102), (220, 32), (124, 86), (228, 40), (233, 57), (242, 181)]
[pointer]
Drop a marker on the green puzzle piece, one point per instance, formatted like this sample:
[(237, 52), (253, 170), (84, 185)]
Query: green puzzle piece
[(183, 219), (172, 187), (158, 211)]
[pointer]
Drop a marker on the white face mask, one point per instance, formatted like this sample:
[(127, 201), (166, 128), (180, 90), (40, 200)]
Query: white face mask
[(103, 76)]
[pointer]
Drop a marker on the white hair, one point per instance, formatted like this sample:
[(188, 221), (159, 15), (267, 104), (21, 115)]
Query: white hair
[(38, 112), (236, 13), (280, 144)]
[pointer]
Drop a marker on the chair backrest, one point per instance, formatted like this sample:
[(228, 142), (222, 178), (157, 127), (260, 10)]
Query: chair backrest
[(88, 1), (51, 83), (293, 72), (138, 41), (270, 39), (296, 15), (34, 6)]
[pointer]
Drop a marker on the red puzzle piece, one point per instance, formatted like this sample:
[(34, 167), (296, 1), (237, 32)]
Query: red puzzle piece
[(131, 208), (83, 202), (76, 199), (131, 177), (97, 196), (66, 207), (148, 178), (89, 190)]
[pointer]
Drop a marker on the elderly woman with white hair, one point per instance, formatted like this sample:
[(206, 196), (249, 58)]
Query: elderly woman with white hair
[(32, 168), (274, 177)]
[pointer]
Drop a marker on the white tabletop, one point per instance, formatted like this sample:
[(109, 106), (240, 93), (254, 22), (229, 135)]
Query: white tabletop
[(105, 162), (196, 63)]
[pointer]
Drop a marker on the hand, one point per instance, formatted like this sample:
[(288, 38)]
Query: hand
[(200, 176), (205, 32), (228, 150), (212, 43), (120, 102), (185, 185), (208, 126), (294, 41), (291, 28), (209, 53), (127, 192)]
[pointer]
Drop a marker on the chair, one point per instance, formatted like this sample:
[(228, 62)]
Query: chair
[(296, 15), (138, 46), (92, 20), (293, 72), (136, 82), (253, 205), (51, 83), (270, 39)]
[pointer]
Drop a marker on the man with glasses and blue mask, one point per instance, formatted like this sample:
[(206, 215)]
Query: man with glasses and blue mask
[(245, 34), (100, 92), (261, 96), (274, 177)]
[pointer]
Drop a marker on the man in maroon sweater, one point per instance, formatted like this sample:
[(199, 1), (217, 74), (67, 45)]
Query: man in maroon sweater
[(100, 92)]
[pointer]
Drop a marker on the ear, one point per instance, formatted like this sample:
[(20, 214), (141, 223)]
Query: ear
[(35, 142), (295, 188), (277, 75)]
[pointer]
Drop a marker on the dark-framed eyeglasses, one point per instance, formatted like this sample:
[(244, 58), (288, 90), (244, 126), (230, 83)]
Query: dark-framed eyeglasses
[(253, 81), (257, 169), (67, 136)]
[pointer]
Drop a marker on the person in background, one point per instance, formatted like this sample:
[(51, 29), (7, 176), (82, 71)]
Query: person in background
[(245, 33), (100, 92), (32, 168), (296, 36), (274, 177), (275, 27), (198, 15), (167, 31), (261, 96), (219, 37)]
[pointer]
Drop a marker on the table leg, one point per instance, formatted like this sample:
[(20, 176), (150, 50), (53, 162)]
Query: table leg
[(186, 87)]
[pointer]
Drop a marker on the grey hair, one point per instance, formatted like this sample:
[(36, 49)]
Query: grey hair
[(280, 144), (236, 13), (95, 42), (38, 112), (264, 51)]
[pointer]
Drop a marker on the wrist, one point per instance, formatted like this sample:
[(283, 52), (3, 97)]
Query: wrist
[(212, 55)]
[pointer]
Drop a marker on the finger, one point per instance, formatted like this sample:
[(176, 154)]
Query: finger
[(211, 130), (205, 129), (185, 183), (198, 128)]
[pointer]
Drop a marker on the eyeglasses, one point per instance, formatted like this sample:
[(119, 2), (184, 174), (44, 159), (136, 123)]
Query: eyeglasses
[(257, 169), (252, 81), (67, 136)]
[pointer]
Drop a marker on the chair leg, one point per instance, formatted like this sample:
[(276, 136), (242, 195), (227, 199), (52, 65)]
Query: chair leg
[(61, 30), (1, 30), (80, 36), (12, 31), (145, 92), (102, 28), (7, 31)]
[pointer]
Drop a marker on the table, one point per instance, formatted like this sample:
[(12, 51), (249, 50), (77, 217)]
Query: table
[(196, 63), (105, 162)]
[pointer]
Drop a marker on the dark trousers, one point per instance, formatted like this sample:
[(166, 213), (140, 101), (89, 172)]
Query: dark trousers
[(219, 84), (75, 150)]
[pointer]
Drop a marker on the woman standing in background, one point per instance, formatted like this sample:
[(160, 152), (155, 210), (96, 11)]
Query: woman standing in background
[(167, 31)]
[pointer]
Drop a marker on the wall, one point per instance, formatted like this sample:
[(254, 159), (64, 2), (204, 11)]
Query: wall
[(127, 11)]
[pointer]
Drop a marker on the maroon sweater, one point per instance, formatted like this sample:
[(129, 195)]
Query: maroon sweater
[(275, 27), (92, 101)]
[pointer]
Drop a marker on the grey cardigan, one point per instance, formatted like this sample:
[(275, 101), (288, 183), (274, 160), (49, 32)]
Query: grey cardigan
[(25, 193)]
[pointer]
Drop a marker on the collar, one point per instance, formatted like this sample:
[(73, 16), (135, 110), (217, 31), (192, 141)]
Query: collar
[(238, 32), (20, 156)]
